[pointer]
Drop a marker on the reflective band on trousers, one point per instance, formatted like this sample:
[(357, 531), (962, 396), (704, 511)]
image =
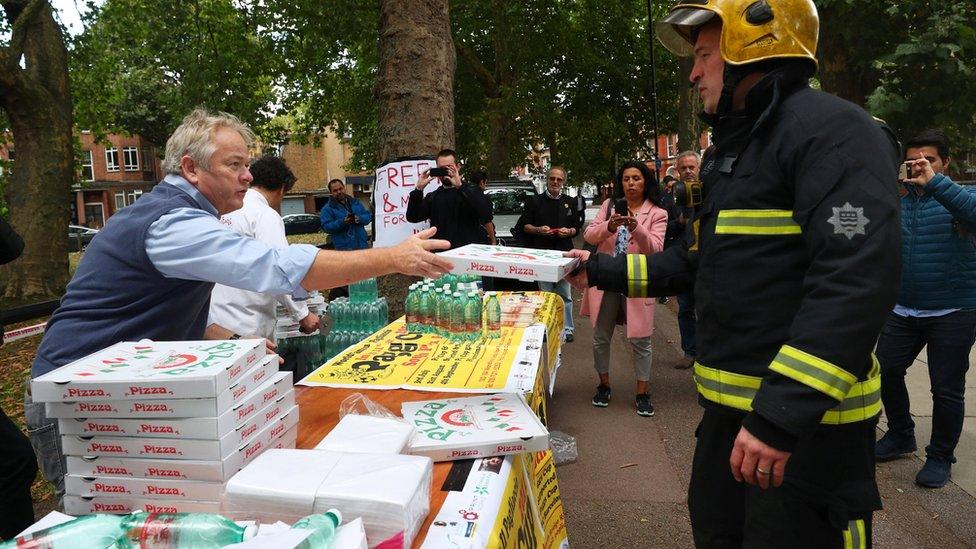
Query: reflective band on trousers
[(756, 222), (862, 402), (855, 537), (636, 275)]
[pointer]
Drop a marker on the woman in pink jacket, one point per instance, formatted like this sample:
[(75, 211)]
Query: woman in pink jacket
[(641, 231)]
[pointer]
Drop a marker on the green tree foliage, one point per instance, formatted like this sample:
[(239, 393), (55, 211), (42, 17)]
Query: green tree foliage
[(141, 65)]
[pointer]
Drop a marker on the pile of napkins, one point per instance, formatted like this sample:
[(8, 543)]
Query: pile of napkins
[(390, 492), (368, 434)]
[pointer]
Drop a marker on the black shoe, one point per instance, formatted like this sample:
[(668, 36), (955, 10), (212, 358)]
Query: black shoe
[(644, 406), (935, 473), (662, 300), (568, 337), (892, 446), (602, 396)]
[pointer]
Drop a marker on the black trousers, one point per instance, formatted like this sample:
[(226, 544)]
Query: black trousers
[(18, 468), (826, 500)]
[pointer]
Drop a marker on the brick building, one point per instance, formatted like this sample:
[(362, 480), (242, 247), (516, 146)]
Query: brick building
[(316, 165)]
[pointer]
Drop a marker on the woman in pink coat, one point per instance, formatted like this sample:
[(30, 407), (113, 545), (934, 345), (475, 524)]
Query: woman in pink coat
[(640, 231)]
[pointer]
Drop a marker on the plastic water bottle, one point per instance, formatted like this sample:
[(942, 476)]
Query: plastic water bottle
[(412, 309), (492, 317), (426, 311), (324, 526), (438, 304), (384, 312), (178, 530), (93, 530), (457, 317), (472, 316)]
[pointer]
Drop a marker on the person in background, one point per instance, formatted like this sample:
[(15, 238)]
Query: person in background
[(241, 312), (18, 466), (637, 228), (458, 210), (687, 164), (936, 308), (345, 218), (550, 222), (480, 179)]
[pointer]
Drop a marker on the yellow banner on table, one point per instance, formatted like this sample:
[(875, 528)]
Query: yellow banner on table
[(394, 358)]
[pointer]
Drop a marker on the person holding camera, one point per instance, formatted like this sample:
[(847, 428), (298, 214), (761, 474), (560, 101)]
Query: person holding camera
[(632, 224), (936, 307), (792, 254), (687, 164), (458, 210), (550, 222), (345, 219), (18, 466)]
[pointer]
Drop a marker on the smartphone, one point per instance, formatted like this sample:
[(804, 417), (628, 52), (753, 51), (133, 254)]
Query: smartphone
[(905, 171), (438, 172), (620, 207)]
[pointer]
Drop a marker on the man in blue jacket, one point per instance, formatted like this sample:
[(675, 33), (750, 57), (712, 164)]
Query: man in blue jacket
[(345, 218), (936, 307)]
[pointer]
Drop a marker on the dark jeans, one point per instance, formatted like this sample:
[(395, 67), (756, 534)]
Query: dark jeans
[(18, 467), (687, 323), (949, 339)]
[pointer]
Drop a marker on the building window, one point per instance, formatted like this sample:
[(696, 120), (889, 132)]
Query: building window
[(130, 159), (123, 199), (87, 173), (112, 159), (119, 201), (147, 159), (94, 215), (132, 196)]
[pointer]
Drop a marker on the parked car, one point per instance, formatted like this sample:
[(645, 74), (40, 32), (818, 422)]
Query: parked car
[(79, 237), (301, 223)]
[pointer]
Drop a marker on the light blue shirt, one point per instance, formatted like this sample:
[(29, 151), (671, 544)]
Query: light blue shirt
[(908, 312), (192, 244)]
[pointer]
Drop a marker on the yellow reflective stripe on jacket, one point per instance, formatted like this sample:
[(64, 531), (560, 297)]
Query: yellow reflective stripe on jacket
[(756, 222), (636, 275), (855, 537), (737, 391), (813, 372)]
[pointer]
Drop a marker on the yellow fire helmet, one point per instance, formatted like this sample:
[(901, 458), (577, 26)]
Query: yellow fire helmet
[(752, 30)]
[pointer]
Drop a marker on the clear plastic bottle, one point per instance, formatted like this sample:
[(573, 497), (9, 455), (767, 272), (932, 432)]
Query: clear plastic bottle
[(384, 312), (438, 303), (426, 311), (492, 317), (181, 530), (457, 317), (472, 316), (412, 309), (88, 531), (324, 526)]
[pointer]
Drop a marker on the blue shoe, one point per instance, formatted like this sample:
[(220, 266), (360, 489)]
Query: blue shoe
[(892, 446), (935, 473)]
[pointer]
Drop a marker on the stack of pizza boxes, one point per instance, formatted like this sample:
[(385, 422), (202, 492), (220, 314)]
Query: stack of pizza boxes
[(161, 426)]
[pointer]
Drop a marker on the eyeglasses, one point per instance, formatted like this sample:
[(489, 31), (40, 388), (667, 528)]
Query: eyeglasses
[(556, 179)]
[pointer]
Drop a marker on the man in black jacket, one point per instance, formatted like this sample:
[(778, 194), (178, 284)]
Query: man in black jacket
[(458, 210), (18, 467), (550, 222), (791, 257)]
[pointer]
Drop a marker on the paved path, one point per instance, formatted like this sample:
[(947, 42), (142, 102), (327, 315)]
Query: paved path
[(627, 489)]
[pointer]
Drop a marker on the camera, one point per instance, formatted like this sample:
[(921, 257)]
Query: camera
[(688, 194), (439, 172), (904, 171)]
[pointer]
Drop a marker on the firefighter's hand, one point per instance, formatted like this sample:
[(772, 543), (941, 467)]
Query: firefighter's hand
[(756, 462), (579, 280)]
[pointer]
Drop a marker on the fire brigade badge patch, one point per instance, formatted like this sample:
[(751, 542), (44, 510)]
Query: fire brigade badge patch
[(848, 220)]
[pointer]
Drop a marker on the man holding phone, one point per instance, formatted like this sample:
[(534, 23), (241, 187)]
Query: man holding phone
[(458, 210), (550, 222), (936, 306)]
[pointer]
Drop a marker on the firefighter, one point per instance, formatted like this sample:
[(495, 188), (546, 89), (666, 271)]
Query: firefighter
[(794, 255)]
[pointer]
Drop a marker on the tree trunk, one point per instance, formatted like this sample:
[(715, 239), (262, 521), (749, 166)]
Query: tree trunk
[(846, 53), (37, 101), (415, 85), (689, 105)]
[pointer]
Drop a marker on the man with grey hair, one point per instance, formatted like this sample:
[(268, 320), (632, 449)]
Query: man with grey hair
[(149, 273), (687, 164)]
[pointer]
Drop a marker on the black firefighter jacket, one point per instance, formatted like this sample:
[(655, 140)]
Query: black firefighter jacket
[(794, 256)]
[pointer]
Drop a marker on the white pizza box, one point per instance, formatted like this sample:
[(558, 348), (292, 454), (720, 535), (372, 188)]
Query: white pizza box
[(390, 492), (147, 370), (150, 488), (367, 434), (474, 427), (509, 262), (168, 448), (77, 505), (210, 428), (212, 471), (257, 398)]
